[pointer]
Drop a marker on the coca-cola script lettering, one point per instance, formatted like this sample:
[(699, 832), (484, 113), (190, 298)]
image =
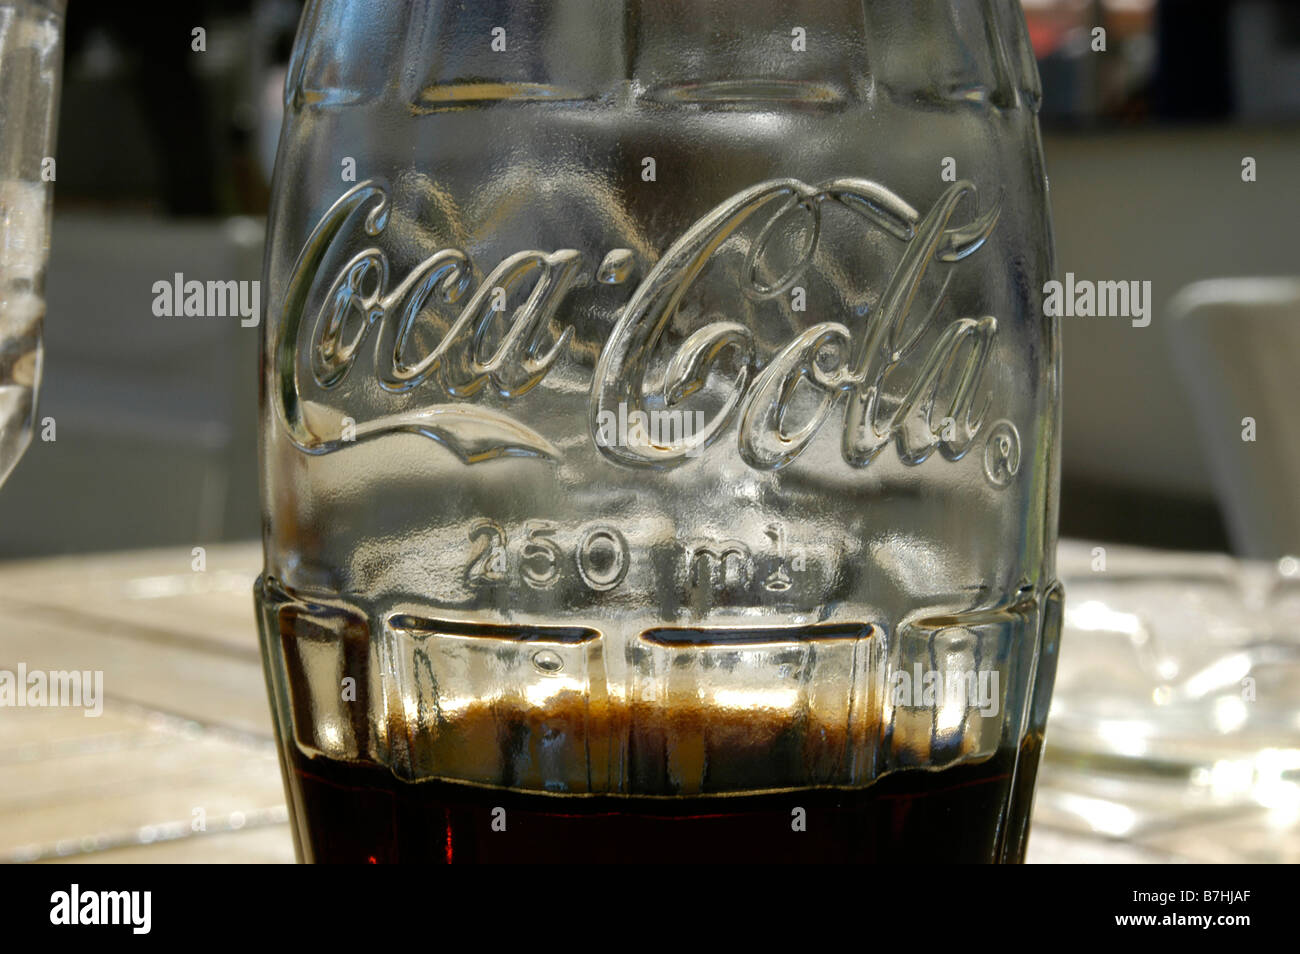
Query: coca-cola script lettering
[(890, 351)]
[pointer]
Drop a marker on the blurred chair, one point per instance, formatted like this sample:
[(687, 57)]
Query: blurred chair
[(1237, 346)]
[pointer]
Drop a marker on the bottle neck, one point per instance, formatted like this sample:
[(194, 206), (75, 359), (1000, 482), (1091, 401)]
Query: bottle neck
[(712, 45)]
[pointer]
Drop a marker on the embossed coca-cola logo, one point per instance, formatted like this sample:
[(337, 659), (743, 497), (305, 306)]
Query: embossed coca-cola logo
[(892, 350)]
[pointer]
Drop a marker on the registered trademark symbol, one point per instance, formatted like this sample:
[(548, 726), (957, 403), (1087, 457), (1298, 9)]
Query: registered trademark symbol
[(1002, 454)]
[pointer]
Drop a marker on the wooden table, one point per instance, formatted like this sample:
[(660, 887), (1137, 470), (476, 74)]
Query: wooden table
[(181, 766)]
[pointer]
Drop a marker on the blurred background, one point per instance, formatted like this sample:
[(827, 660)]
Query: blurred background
[(164, 166)]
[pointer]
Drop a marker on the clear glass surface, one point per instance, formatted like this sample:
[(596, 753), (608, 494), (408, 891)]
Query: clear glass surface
[(1174, 723), (30, 58)]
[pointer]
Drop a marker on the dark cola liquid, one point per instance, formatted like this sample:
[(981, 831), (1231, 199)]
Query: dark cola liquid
[(350, 813)]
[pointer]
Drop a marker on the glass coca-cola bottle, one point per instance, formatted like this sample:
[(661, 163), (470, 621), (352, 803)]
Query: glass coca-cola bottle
[(659, 431)]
